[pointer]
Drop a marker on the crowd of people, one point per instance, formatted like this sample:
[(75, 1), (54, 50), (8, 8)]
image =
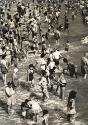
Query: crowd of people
[(21, 34)]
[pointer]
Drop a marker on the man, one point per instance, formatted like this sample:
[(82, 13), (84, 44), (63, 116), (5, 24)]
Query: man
[(66, 25), (62, 82), (56, 56), (57, 36), (30, 75), (42, 64)]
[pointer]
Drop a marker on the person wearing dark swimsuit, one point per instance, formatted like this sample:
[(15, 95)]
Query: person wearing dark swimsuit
[(30, 75)]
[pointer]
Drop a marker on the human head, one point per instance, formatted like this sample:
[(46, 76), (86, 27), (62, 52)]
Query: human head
[(31, 66), (10, 84), (67, 41), (45, 111), (3, 56), (72, 94), (27, 100)]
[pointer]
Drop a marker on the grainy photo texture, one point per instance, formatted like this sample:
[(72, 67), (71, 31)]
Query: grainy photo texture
[(43, 62)]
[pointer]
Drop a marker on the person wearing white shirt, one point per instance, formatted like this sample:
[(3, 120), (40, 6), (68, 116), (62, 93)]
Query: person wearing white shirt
[(56, 57)]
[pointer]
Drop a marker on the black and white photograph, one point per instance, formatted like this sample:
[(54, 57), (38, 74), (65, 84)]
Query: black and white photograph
[(43, 62)]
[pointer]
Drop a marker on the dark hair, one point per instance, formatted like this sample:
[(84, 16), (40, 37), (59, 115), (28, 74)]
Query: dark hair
[(11, 83), (72, 94), (2, 22), (27, 100), (51, 51), (3, 56), (11, 20), (31, 65), (3, 48), (8, 84), (6, 24), (8, 9), (57, 28), (45, 111), (15, 65), (65, 60), (67, 41), (42, 55), (10, 32), (43, 35), (44, 73)]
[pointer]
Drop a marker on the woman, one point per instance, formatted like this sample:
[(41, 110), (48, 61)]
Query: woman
[(4, 68), (11, 99)]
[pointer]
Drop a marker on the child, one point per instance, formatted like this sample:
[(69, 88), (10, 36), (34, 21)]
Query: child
[(71, 107), (24, 108), (67, 46), (30, 75)]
